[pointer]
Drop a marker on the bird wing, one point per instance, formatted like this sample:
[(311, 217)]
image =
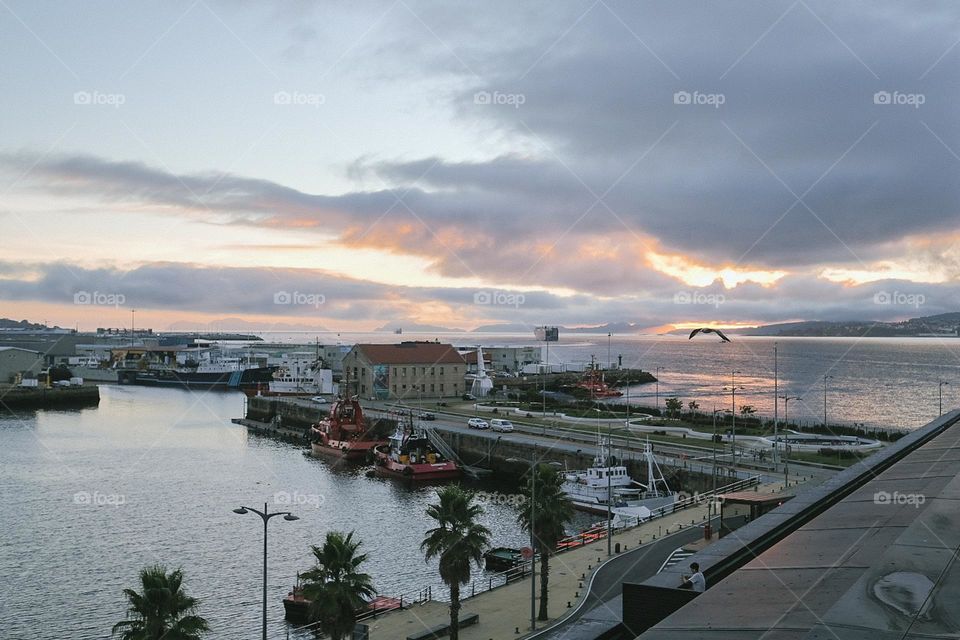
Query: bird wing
[(693, 333), (722, 337)]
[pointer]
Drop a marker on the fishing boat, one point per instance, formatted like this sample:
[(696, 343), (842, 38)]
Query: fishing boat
[(593, 381), (410, 455), (344, 433), (605, 482)]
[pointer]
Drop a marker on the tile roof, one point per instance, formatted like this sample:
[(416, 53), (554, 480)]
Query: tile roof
[(411, 353)]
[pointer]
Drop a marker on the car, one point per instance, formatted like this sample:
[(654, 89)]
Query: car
[(468, 396), (503, 426), (319, 399), (477, 423), (428, 416)]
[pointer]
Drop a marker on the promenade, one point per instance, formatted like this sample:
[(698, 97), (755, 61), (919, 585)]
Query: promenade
[(505, 610)]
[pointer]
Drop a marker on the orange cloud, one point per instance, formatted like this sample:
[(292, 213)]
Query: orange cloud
[(697, 274)]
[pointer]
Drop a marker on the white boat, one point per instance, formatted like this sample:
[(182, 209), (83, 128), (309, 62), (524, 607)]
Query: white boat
[(592, 489), (300, 373)]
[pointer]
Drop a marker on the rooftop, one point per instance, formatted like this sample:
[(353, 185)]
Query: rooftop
[(428, 353)]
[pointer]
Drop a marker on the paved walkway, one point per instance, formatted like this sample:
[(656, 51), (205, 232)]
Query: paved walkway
[(506, 610)]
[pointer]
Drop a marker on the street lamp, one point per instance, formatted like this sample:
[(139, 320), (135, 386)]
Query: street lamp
[(786, 455), (825, 378), (658, 387), (776, 405), (265, 516), (786, 403), (607, 466), (942, 382), (533, 540), (733, 412), (713, 500), (609, 361)]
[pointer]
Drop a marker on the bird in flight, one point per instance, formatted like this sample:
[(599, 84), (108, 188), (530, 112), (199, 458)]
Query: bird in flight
[(709, 330)]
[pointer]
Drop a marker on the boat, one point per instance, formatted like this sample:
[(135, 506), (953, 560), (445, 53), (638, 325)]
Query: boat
[(502, 559), (410, 455), (594, 382), (296, 606), (606, 483), (344, 433), (210, 373), (301, 373)]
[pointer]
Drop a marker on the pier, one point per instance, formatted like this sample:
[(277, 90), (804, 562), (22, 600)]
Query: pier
[(16, 397)]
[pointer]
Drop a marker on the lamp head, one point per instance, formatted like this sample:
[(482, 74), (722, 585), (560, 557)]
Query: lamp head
[(290, 517), (241, 511)]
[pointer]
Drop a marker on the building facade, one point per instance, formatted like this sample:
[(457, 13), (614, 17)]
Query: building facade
[(405, 371), (14, 361)]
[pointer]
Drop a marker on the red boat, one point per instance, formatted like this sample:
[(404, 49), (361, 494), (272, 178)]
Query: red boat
[(296, 606), (410, 455), (594, 383), (343, 433)]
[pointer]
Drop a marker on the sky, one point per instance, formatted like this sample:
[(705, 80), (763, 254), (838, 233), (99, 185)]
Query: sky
[(348, 165)]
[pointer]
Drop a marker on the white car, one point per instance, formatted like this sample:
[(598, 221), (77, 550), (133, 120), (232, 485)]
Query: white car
[(319, 399), (504, 426), (477, 423)]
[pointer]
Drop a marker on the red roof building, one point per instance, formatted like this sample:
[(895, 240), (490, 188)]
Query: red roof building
[(408, 370)]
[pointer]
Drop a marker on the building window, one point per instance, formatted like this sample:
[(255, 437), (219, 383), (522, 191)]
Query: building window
[(394, 388), (432, 371), (441, 370), (404, 372), (404, 387), (432, 389), (363, 388), (394, 372), (441, 387)]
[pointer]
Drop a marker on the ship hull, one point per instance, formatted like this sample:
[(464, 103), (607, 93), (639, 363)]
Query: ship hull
[(352, 451), (425, 472)]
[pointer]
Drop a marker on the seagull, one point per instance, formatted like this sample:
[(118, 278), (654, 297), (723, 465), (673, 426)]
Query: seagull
[(709, 330)]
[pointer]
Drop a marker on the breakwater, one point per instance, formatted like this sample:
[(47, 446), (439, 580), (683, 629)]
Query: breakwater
[(43, 398)]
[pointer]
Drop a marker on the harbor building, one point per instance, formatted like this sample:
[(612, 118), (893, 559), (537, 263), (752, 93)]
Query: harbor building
[(16, 361), (408, 370)]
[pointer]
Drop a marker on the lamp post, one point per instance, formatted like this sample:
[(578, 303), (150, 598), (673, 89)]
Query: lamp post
[(733, 413), (265, 516), (658, 388), (713, 500), (825, 378), (942, 382), (609, 361), (786, 416), (533, 540), (776, 405)]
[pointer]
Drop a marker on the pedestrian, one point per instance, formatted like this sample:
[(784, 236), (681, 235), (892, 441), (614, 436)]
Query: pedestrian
[(697, 582)]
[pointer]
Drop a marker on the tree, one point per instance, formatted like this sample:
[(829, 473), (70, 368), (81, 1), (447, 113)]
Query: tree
[(694, 405), (162, 611), (458, 541), (550, 510), (747, 410), (674, 407), (336, 586)]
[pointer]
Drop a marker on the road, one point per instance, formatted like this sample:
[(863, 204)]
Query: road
[(601, 609)]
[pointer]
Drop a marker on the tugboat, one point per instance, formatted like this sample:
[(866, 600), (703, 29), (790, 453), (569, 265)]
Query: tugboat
[(410, 455), (593, 381), (343, 433)]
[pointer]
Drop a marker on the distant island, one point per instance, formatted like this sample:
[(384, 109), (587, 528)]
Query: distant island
[(941, 325)]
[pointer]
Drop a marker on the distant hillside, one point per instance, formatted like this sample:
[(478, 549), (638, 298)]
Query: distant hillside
[(517, 327), (417, 328), (7, 323), (943, 324)]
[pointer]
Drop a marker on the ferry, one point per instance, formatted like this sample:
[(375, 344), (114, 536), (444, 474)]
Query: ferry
[(592, 489), (344, 433), (410, 455)]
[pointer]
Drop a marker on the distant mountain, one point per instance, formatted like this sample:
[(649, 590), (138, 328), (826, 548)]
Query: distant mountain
[(517, 327), (7, 323), (417, 328), (238, 324), (944, 324)]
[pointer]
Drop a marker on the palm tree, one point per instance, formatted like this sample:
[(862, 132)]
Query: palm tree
[(553, 511), (336, 586), (458, 540), (162, 611)]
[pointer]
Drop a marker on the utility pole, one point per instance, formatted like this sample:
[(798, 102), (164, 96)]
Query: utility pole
[(776, 407)]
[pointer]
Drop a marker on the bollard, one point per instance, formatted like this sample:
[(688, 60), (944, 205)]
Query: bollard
[(517, 630), (569, 606)]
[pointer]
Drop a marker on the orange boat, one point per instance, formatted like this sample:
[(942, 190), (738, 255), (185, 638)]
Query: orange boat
[(594, 383), (343, 433)]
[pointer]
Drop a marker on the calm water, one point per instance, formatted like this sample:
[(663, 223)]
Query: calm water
[(151, 475), (178, 467), (876, 381)]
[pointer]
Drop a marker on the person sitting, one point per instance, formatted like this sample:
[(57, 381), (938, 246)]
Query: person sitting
[(696, 581)]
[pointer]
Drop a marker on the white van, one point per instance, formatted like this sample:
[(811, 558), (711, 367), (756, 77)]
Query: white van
[(504, 426)]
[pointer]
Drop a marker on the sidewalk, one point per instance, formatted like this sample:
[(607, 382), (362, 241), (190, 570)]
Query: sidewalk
[(506, 609)]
